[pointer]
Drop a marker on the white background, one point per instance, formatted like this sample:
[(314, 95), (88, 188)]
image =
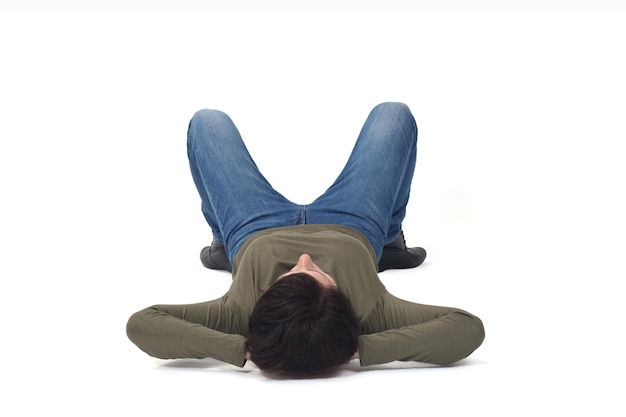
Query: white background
[(518, 195)]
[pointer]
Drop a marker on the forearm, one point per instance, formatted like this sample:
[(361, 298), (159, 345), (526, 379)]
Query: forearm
[(441, 341), (167, 337)]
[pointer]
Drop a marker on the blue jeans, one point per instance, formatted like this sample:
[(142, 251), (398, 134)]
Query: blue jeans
[(370, 195)]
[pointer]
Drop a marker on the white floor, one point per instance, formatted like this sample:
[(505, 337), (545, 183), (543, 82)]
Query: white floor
[(518, 197)]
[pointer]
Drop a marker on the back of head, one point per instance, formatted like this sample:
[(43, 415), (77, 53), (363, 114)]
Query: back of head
[(299, 326)]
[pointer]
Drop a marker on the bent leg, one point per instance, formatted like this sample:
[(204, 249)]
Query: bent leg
[(372, 191), (237, 200)]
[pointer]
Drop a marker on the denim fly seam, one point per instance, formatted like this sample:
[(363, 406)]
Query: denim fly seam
[(302, 218)]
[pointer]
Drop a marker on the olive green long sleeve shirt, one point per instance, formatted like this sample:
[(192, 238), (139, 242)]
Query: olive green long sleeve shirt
[(390, 328)]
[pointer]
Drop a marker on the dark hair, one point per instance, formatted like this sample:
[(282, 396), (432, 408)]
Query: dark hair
[(299, 326)]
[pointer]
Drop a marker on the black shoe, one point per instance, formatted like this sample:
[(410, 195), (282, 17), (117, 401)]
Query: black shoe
[(397, 256), (214, 257)]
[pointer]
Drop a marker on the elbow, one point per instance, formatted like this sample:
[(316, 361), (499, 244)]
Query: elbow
[(468, 337), (140, 329), (134, 327), (473, 336), (479, 332)]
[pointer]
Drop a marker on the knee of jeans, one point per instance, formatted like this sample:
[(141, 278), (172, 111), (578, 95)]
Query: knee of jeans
[(395, 107), (399, 111), (399, 118), (209, 116), (205, 121)]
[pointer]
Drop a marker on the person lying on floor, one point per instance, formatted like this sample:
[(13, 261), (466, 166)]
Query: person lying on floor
[(305, 296)]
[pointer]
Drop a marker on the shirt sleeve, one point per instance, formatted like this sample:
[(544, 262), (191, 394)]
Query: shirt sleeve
[(189, 331), (399, 330)]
